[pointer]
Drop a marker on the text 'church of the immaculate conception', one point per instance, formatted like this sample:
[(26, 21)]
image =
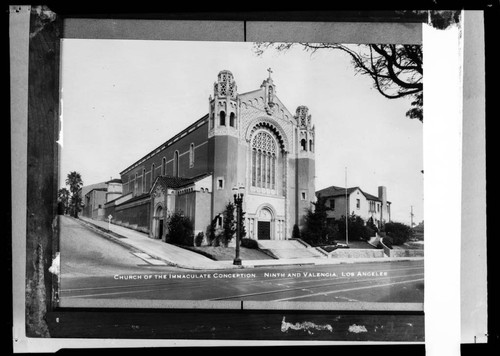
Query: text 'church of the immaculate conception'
[(247, 140)]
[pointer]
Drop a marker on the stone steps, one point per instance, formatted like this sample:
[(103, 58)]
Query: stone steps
[(286, 249)]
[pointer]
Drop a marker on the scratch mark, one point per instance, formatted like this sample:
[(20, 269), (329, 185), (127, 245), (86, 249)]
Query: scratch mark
[(55, 268), (60, 136), (306, 326), (357, 329)]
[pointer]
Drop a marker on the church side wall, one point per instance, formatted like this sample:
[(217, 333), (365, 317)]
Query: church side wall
[(198, 137), (203, 217), (135, 216)]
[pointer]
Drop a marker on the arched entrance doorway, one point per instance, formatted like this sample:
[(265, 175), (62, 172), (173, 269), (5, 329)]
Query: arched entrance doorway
[(158, 221), (264, 224)]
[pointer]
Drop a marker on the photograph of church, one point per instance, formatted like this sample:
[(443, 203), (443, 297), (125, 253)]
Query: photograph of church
[(248, 141), (163, 140)]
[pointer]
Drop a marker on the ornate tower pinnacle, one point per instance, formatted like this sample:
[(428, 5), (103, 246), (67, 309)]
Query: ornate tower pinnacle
[(223, 107), (306, 130), (225, 85), (302, 116), (270, 92)]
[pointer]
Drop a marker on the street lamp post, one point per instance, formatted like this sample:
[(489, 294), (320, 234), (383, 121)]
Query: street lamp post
[(238, 201)]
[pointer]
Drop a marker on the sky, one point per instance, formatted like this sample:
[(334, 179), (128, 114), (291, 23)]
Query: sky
[(123, 98)]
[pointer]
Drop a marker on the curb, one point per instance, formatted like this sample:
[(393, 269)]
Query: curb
[(118, 239), (114, 237)]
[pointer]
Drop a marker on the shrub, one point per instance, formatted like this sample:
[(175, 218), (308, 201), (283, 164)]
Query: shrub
[(295, 232), (357, 229), (249, 243), (228, 224), (199, 238), (180, 230), (398, 232), (217, 237)]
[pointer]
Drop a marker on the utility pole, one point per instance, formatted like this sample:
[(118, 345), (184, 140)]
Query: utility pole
[(346, 212), (411, 216)]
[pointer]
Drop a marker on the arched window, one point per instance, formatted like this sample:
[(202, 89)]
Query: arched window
[(176, 164), (163, 166), (152, 174), (311, 146), (264, 155), (191, 155), (222, 118), (231, 119), (303, 144)]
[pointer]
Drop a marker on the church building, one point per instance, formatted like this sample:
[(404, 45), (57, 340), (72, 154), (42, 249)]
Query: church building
[(249, 141)]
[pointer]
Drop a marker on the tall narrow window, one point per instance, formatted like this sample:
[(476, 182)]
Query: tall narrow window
[(273, 169), (258, 168), (254, 160), (163, 166), (144, 180), (263, 160), (303, 144), (358, 203), (136, 184), (222, 118), (311, 146), (176, 164), (268, 171), (191, 155), (153, 176), (231, 119)]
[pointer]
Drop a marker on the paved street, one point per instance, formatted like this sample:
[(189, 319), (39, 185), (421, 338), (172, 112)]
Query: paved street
[(93, 267)]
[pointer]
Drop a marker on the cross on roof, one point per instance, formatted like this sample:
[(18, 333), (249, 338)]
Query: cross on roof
[(270, 71)]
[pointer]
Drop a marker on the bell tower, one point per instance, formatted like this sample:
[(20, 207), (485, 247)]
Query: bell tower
[(223, 140), (305, 164)]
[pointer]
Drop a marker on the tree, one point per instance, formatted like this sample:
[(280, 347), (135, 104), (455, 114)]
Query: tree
[(75, 182), (180, 230), (228, 224), (396, 70), (63, 196), (295, 232), (316, 230)]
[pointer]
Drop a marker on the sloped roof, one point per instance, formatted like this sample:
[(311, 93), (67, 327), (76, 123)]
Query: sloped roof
[(116, 180), (335, 191), (177, 182)]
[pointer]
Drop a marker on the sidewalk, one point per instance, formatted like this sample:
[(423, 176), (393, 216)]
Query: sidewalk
[(179, 257)]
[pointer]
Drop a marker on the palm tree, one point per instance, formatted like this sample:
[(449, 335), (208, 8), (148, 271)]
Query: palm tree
[(75, 182), (63, 197)]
